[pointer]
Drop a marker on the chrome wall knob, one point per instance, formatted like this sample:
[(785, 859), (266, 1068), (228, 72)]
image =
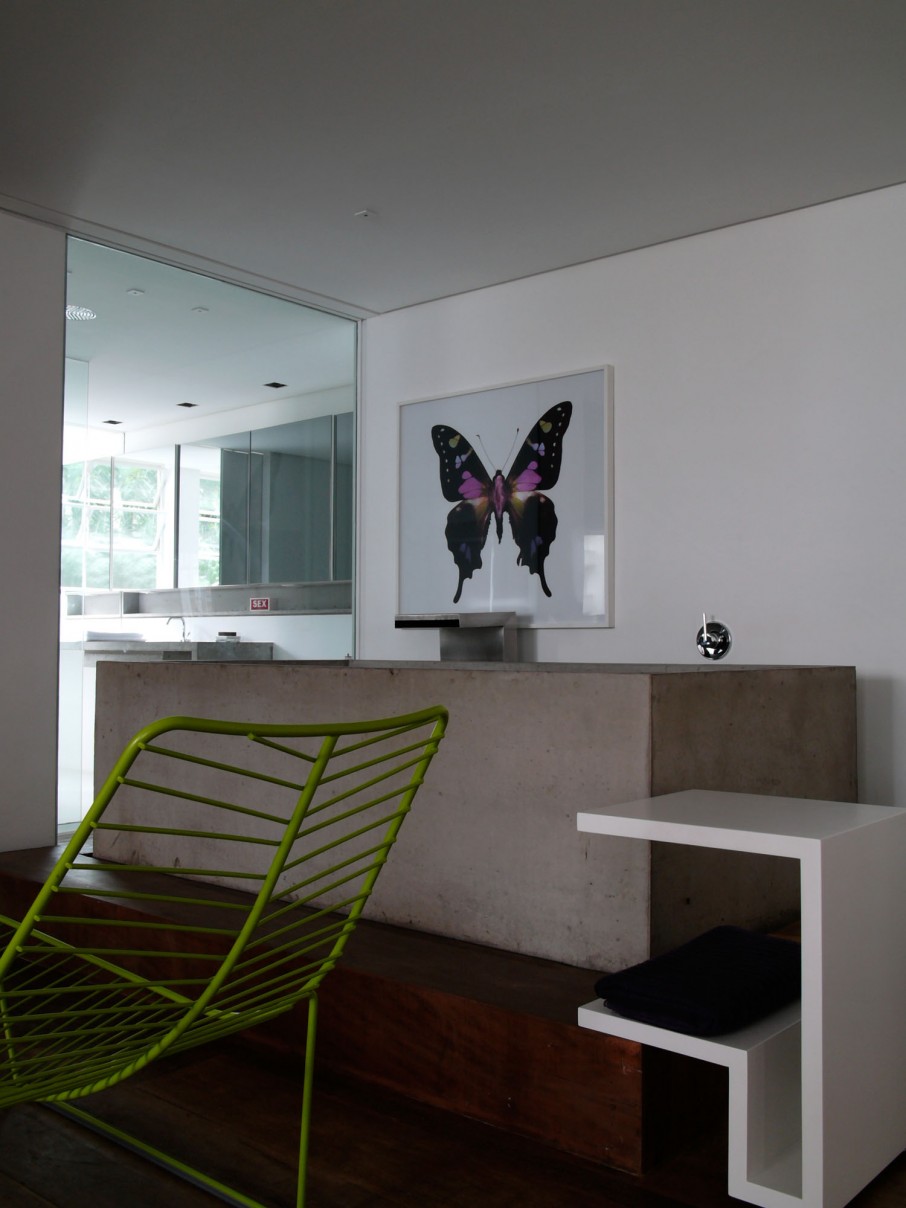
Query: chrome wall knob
[(713, 640)]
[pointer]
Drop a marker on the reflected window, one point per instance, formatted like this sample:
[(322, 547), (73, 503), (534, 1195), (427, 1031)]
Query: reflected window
[(112, 525), (198, 558)]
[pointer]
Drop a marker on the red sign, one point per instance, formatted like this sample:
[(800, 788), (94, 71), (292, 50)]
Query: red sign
[(260, 604)]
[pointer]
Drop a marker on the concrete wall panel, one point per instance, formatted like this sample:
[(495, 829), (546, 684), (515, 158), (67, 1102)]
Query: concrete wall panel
[(491, 852)]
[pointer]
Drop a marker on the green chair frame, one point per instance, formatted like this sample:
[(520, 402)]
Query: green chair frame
[(260, 845)]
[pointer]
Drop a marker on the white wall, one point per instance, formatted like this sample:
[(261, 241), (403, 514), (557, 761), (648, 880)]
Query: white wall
[(32, 299), (760, 444)]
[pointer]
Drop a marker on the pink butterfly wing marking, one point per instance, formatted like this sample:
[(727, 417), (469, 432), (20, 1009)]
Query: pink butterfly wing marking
[(471, 488), (476, 493), (528, 480)]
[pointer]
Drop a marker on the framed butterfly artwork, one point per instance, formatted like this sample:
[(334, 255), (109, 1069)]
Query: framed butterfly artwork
[(506, 502)]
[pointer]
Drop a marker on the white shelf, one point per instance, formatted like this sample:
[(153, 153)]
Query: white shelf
[(786, 826), (726, 1050), (843, 1052)]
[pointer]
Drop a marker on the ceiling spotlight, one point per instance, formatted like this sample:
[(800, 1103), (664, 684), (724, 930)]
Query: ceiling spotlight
[(187, 404), (80, 312), (135, 293), (113, 422), (275, 385), (364, 214), (199, 310)]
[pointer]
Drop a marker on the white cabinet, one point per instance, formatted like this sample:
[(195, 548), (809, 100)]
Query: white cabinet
[(817, 1105)]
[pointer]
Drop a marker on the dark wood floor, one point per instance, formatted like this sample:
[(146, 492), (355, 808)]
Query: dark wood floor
[(235, 1114)]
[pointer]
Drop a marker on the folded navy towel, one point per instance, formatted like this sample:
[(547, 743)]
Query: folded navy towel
[(720, 981)]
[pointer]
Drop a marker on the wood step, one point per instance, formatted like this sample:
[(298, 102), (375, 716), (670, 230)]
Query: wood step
[(478, 1031)]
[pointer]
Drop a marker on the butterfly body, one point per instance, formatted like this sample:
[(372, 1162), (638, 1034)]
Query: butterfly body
[(479, 496)]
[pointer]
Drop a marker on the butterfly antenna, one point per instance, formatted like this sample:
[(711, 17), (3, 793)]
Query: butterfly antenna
[(488, 457), (479, 441), (512, 447)]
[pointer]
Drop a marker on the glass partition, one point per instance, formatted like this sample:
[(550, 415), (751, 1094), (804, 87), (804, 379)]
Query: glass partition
[(273, 505), (208, 454), (209, 436)]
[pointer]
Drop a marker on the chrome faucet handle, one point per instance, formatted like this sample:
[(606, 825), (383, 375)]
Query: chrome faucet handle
[(713, 639), (182, 621)]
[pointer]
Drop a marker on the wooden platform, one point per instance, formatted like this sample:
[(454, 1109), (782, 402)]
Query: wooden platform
[(482, 1033), (225, 1108)]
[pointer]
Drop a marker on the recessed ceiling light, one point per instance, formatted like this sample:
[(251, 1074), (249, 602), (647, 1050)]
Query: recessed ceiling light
[(113, 421), (80, 312), (187, 404), (136, 293), (199, 310), (275, 385)]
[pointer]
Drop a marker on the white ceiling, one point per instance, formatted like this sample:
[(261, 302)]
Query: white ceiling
[(488, 139)]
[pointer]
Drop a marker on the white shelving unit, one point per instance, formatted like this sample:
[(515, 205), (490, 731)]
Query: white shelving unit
[(817, 1102)]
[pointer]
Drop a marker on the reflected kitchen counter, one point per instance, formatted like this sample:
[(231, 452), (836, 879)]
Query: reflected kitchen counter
[(131, 651)]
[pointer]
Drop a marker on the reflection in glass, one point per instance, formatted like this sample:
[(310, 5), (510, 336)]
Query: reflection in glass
[(269, 506), (343, 495), (114, 525), (143, 509)]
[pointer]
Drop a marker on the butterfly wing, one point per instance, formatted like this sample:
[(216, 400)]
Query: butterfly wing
[(537, 464), (462, 476), (465, 482), (533, 521), (466, 533), (533, 517)]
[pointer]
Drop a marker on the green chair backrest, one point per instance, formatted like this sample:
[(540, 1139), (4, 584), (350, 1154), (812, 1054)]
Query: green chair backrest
[(236, 860)]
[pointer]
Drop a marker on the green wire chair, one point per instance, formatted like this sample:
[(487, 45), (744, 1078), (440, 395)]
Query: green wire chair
[(276, 834)]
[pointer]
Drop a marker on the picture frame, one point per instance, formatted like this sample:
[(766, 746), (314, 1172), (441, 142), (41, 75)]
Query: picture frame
[(531, 460)]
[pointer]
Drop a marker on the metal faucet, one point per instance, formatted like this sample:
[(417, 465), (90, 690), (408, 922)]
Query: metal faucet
[(182, 621)]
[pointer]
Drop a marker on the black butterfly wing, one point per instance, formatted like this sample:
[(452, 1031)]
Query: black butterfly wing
[(533, 517), (533, 521), (466, 533), (462, 476), (465, 482), (537, 464)]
